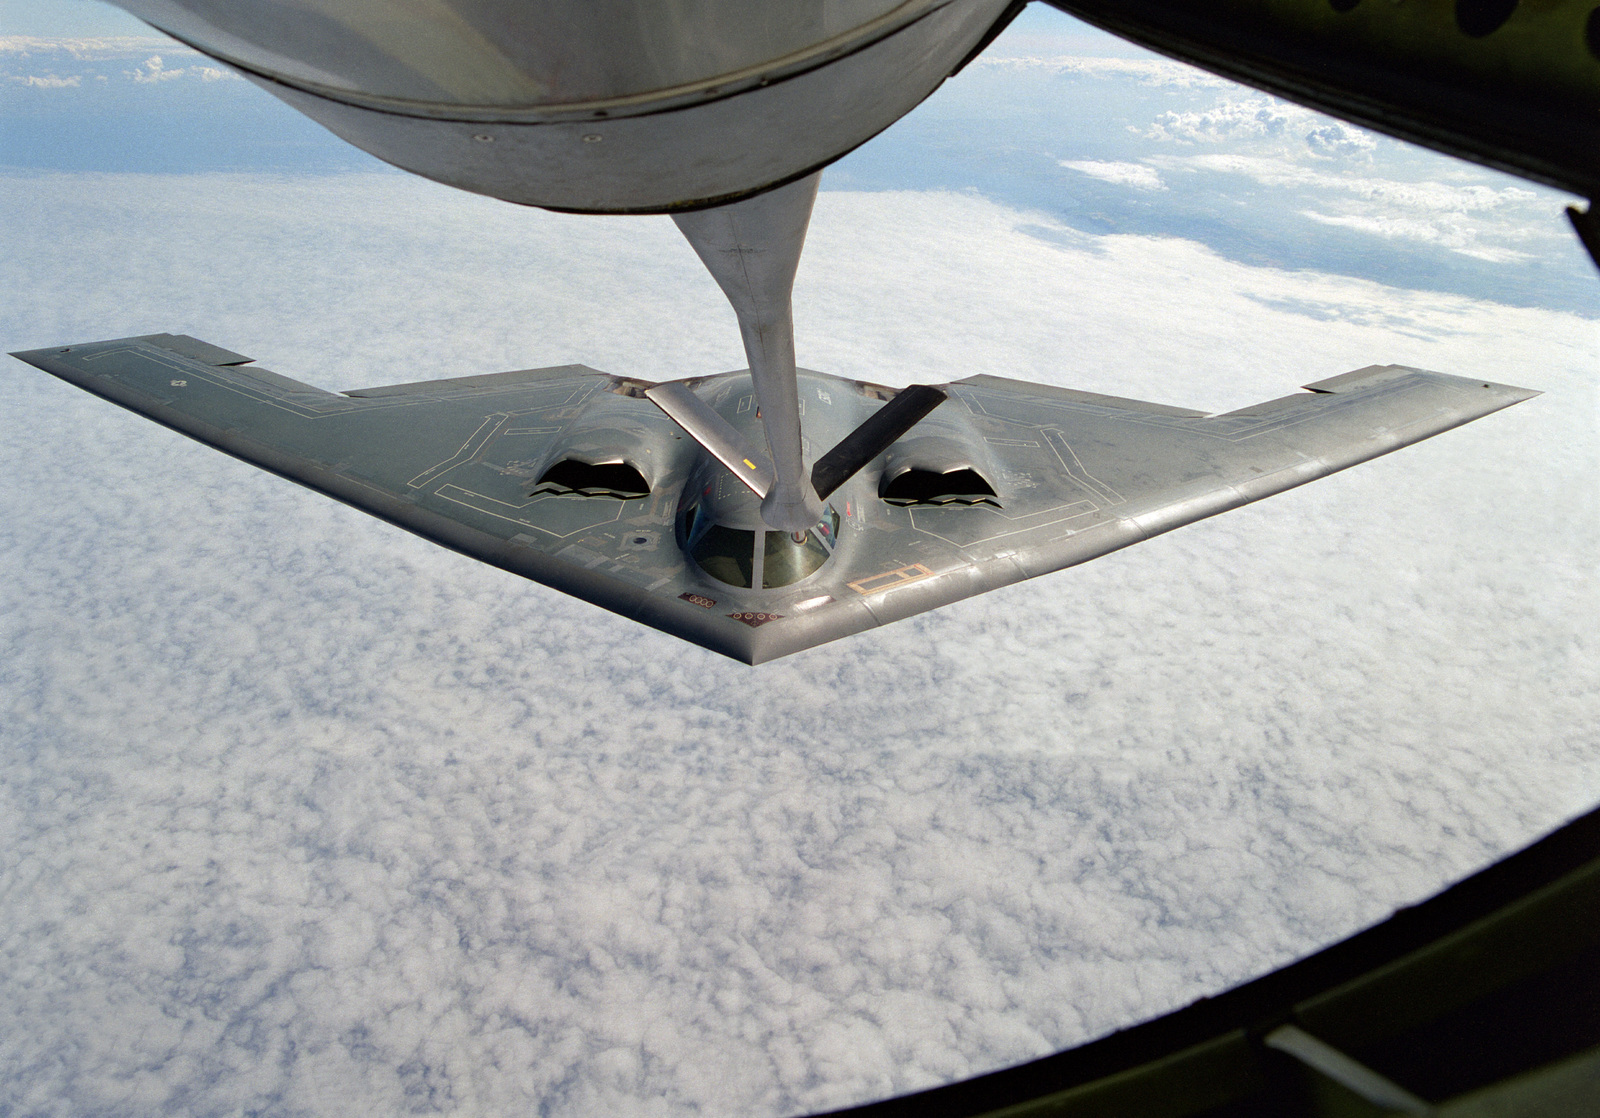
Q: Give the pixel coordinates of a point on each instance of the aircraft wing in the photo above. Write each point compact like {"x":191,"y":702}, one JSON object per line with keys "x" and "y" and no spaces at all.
{"x":1073,"y":475}
{"x":448,"y":459}
{"x":1079,"y":475}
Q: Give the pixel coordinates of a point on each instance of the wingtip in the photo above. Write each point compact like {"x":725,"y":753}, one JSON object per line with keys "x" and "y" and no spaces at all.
{"x":1509,"y":394}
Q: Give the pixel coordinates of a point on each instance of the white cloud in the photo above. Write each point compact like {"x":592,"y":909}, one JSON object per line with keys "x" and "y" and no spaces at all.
{"x":1263,"y":118}
{"x":153,"y":54}
{"x":104,"y":48}
{"x":298,"y":812}
{"x":1157,"y":72}
{"x":47,"y":81}
{"x":1127,"y":174}
{"x":1427,"y":195}
{"x":152,"y":70}
{"x":1466,"y":218}
{"x":1427,"y":231}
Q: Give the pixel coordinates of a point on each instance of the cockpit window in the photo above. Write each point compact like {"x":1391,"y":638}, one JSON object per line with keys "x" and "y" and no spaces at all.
{"x":726,"y":554}
{"x":730,"y":555}
{"x":786,"y":559}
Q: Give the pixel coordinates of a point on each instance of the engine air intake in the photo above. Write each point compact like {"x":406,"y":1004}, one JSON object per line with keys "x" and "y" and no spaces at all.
{"x":925,"y":487}
{"x":617,"y":480}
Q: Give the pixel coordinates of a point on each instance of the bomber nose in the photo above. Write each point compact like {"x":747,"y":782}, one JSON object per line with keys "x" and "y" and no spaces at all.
{"x":727,"y":540}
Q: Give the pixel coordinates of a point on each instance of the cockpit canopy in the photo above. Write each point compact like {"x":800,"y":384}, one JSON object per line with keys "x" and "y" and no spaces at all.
{"x":752,"y":557}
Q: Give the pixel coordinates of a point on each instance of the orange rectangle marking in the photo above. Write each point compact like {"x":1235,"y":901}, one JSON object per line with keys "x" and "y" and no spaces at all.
{"x":890,"y":580}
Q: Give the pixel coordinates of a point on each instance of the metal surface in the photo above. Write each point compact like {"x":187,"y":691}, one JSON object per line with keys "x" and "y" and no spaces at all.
{"x":877,"y":433}
{"x":458,"y":461}
{"x":704,"y":425}
{"x":1584,"y":224}
{"x":512,"y":52}
{"x":1350,"y":1074}
{"x":752,"y":249}
{"x":620,"y":106}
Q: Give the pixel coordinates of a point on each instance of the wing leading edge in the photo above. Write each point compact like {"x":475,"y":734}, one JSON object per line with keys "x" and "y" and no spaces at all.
{"x":1074,"y":475}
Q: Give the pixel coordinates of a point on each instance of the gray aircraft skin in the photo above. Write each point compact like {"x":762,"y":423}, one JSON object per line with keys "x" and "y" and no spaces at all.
{"x":575,"y":479}
{"x":754,"y":513}
{"x":594,"y":106}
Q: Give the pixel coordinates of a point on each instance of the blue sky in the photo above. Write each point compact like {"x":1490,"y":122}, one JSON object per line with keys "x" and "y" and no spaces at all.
{"x":1101,"y":136}
{"x":300,"y":814}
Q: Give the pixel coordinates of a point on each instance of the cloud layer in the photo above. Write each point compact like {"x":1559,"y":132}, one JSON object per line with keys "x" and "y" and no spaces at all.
{"x":1129,"y":174}
{"x":298,"y":812}
{"x":1088,"y":139}
{"x":38,"y":63}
